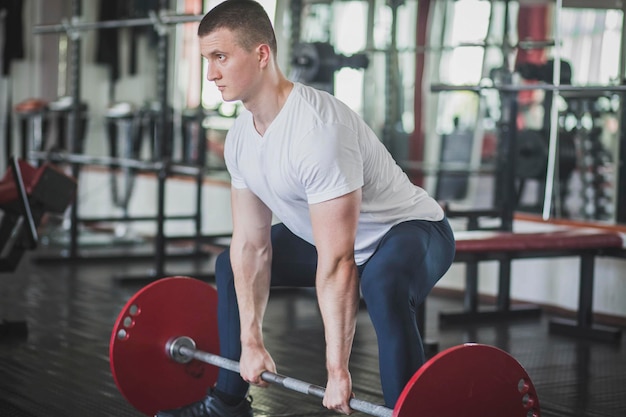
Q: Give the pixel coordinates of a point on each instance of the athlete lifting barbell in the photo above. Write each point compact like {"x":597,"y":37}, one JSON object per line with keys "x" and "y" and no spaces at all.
{"x":352,"y":225}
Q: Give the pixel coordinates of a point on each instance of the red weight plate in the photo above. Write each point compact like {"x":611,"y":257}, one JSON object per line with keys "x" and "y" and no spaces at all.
{"x":142,"y":369}
{"x":470,"y":380}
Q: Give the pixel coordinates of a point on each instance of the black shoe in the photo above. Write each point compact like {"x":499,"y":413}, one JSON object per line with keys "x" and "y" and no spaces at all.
{"x":211,"y":406}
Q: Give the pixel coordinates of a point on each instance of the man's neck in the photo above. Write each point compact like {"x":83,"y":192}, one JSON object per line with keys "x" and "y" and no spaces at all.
{"x":270,"y":101}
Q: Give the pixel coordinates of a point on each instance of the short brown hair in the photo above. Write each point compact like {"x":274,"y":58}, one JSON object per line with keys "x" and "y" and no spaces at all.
{"x":246,"y":18}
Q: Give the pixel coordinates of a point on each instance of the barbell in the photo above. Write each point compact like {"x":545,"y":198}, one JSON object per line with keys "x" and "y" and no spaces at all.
{"x":162,"y":357}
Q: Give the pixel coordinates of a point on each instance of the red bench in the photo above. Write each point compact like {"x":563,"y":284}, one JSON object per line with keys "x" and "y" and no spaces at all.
{"x":585,"y":243}
{"x":24,"y":199}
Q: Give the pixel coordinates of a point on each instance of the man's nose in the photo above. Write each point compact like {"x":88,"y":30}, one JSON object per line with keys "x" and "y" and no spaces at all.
{"x":211,"y":73}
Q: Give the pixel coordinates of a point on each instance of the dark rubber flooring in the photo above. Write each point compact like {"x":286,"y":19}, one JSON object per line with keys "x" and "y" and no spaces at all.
{"x":62,"y":368}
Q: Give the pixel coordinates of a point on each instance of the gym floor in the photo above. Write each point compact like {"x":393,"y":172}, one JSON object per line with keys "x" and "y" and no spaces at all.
{"x":62,"y":368}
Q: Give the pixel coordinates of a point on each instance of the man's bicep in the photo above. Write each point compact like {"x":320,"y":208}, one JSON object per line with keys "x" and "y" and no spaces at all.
{"x":335,"y":224}
{"x":251,"y":217}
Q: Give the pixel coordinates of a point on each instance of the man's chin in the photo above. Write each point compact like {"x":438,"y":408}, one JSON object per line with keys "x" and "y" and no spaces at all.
{"x":228,"y":98}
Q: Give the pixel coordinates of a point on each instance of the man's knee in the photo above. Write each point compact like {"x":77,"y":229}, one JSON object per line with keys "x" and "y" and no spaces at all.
{"x":380,"y":290}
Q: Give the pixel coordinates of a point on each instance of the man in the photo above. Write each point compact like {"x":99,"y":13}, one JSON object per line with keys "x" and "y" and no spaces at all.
{"x":350,"y":220}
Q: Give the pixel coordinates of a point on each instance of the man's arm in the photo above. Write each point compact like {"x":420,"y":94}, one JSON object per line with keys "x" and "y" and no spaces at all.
{"x":251,"y":256}
{"x":337,"y":283}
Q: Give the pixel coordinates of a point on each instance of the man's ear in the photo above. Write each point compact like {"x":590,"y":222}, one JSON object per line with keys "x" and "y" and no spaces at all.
{"x":264,"y":53}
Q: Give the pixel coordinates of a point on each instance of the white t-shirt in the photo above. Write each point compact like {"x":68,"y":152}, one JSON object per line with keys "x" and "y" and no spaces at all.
{"x":317,"y":149}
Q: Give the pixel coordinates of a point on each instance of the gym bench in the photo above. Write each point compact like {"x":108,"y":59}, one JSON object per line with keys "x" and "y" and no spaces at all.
{"x":474,"y":246}
{"x":26,"y":194}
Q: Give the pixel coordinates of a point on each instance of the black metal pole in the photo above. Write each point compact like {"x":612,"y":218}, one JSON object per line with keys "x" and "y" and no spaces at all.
{"x":507,"y":140}
{"x":620,"y":209}
{"x":163,"y":135}
{"x":74,"y":122}
{"x":505,"y":179}
{"x":393,"y":106}
{"x":201,"y":164}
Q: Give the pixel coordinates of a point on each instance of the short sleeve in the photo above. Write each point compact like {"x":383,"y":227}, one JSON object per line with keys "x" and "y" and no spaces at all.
{"x":330,"y":163}
{"x":231,"y":158}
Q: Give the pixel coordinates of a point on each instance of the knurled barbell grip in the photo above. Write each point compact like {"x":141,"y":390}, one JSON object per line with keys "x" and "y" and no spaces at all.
{"x":183,"y":348}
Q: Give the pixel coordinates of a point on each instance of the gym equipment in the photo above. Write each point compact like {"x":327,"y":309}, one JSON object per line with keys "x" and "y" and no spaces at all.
{"x":31,"y":116}
{"x":316,"y":63}
{"x":26,"y":193}
{"x":139,"y":362}
{"x":160,"y":19}
{"x":124,"y":133}
{"x":156,"y":365}
{"x":61,"y":114}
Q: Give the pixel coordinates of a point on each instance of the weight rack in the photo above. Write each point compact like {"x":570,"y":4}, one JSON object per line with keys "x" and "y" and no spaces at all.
{"x":159,"y":20}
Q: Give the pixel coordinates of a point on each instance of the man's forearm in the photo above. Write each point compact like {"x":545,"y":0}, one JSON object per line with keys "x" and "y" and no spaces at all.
{"x":338,"y":295}
{"x":252,"y":283}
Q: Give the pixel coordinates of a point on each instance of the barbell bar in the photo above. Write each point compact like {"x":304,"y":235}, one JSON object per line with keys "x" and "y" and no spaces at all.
{"x":115,"y":162}
{"x":163,"y":17}
{"x":156,"y":366}
{"x":183,"y":349}
{"x":512,"y":88}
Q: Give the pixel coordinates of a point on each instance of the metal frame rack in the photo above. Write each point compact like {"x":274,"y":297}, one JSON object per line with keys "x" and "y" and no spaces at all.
{"x":163,"y":165}
{"x":505,"y":180}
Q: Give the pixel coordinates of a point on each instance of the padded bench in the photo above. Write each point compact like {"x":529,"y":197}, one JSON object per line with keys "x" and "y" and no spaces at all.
{"x":26,"y":194}
{"x":476,"y":246}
